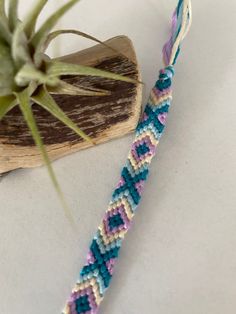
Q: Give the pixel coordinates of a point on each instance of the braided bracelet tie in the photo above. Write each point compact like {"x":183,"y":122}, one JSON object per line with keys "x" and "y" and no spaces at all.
{"x":96,"y":275}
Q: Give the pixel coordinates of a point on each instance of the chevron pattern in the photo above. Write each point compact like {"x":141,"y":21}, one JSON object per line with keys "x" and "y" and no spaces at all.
{"x":96,"y":275}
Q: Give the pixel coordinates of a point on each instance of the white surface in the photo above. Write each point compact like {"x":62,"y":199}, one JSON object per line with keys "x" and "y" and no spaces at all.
{"x":179,"y":257}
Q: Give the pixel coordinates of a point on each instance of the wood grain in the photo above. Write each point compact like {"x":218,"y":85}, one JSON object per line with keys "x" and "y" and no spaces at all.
{"x":102,"y":118}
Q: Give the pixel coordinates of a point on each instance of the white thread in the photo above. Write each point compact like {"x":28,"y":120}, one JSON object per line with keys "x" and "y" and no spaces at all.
{"x":185,"y":27}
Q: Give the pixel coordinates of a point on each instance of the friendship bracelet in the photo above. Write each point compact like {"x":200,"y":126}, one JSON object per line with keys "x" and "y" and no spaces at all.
{"x":96,"y":275}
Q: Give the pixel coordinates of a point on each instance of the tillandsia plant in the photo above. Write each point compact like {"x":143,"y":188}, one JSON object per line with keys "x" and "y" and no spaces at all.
{"x":28,"y":75}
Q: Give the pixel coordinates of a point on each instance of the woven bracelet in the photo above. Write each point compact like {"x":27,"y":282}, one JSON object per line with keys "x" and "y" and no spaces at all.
{"x":96,"y":275}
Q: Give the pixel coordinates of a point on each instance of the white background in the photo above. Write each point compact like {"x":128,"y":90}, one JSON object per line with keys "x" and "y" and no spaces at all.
{"x":179,"y":257}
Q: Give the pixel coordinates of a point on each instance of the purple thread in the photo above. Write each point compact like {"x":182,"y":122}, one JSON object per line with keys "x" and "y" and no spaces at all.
{"x":169,"y":45}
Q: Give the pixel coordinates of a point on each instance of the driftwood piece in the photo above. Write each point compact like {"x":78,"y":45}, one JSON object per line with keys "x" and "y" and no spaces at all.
{"x":102,"y":118}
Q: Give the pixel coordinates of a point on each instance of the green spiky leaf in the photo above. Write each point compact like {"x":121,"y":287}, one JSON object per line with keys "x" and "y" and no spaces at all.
{"x":12,"y":13}
{"x":57,"y":69}
{"x":25,"y":106}
{"x":20,"y":50}
{"x":57,"y":33}
{"x":3,"y":16}
{"x":63,"y":88}
{"x":6,"y":104}
{"x":2,"y":8}
{"x":5,"y":34}
{"x":31,"y":19}
{"x":7,"y":70}
{"x":46,"y":101}
{"x":40,"y":36}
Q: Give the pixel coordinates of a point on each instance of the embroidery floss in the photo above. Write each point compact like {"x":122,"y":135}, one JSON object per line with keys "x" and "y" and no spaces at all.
{"x":96,"y":275}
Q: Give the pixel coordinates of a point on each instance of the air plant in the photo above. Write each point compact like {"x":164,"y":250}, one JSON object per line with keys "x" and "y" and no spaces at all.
{"x":28,"y":75}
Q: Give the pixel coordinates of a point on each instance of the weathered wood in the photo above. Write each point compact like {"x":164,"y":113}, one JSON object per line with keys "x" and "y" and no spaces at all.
{"x":102,"y":118}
